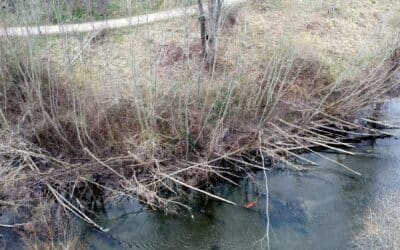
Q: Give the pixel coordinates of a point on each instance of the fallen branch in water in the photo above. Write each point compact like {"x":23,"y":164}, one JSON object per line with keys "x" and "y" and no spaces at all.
{"x":266,"y":236}
{"x":13,"y":225}
{"x":201,"y":191}
{"x":70,"y":207}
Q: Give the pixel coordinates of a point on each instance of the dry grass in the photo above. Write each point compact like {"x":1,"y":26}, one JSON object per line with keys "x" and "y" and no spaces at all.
{"x":50,"y":229}
{"x":81,"y":114}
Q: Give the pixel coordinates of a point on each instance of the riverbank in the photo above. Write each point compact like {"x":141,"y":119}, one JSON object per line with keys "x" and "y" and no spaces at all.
{"x":322,"y":208}
{"x":90,"y":119}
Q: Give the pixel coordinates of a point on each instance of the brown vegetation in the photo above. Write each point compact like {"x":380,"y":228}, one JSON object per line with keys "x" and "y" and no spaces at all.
{"x":69,"y":130}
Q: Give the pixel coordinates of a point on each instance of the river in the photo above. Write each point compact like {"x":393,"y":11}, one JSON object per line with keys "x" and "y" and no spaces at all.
{"x":326,"y":207}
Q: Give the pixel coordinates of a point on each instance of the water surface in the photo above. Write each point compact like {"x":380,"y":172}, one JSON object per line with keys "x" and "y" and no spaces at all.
{"x":317,"y":209}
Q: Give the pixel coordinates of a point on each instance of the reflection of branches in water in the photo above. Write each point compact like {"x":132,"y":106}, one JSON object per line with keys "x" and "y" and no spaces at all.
{"x":266,"y":236}
{"x":121,"y":242}
{"x":115,"y":239}
{"x":209,"y":216}
{"x":141,"y":210}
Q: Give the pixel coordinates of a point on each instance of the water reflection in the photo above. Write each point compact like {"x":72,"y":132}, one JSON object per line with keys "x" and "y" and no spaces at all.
{"x":317,"y":209}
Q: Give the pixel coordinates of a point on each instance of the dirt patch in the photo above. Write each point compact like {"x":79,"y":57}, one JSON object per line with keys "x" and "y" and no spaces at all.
{"x":316,"y":28}
{"x":230,"y":20}
{"x":310,"y":72}
{"x":195,"y":50}
{"x":169,"y":54}
{"x":172,"y":53}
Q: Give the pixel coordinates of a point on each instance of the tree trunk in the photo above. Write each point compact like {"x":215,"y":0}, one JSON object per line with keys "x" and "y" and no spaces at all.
{"x":214,"y":12}
{"x":203,"y":31}
{"x":209,"y":40}
{"x":102,"y":7}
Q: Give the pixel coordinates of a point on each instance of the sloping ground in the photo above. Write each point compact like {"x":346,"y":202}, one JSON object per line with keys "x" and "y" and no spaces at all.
{"x":133,"y":111}
{"x":346,"y":38}
{"x":106,"y":24}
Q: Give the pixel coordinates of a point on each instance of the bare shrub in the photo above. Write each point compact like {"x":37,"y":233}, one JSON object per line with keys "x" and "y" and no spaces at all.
{"x":163,"y":130}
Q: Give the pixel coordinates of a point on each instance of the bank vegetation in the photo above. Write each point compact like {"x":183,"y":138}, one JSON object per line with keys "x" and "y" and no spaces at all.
{"x":136,"y":113}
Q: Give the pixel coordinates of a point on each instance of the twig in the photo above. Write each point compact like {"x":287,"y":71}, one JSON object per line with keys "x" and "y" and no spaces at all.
{"x":267,"y":197}
{"x":70,"y":207}
{"x":104,"y":165}
{"x":381,"y":123}
{"x":13,"y":225}
{"x":201,"y":191}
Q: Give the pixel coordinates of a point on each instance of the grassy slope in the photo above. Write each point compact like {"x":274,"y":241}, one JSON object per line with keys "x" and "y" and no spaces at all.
{"x":145,"y":120}
{"x":337,"y":36}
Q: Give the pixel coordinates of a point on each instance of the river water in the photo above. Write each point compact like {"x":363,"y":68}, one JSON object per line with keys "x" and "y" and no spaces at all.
{"x":322,"y":208}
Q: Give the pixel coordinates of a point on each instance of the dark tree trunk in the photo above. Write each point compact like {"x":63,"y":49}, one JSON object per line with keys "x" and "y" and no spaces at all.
{"x":203,"y":31}
{"x":214,"y":12}
{"x":209,"y":36}
{"x":102,"y":7}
